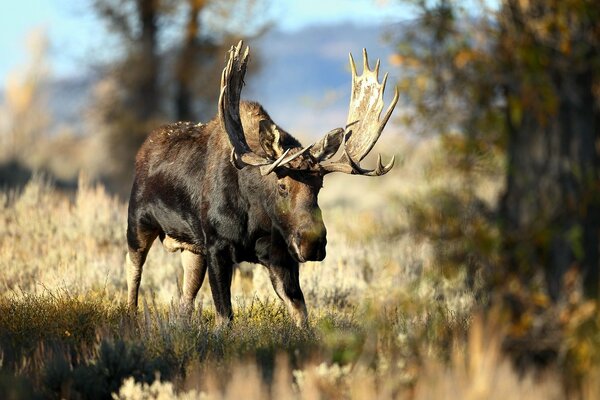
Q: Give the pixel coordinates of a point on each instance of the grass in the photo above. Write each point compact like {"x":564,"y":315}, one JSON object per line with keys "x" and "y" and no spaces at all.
{"x":384,"y":322}
{"x":87,"y":345}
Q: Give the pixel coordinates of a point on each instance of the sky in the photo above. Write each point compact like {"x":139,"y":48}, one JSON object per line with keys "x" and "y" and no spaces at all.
{"x":75,"y":35}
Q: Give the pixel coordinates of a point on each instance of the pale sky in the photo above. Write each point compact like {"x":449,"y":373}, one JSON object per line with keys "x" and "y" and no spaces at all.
{"x":76,"y":36}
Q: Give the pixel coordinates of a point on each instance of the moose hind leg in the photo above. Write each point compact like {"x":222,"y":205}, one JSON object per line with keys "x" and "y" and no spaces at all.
{"x":286,"y":283}
{"x":134,"y":261}
{"x":136,"y":256}
{"x":194,"y":270}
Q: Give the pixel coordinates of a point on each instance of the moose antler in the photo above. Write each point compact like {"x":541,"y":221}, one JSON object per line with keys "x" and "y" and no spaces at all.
{"x":232,"y":81}
{"x":363,"y":126}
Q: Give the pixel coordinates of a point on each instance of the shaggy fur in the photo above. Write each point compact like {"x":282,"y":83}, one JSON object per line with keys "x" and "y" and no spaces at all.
{"x":187,"y":193}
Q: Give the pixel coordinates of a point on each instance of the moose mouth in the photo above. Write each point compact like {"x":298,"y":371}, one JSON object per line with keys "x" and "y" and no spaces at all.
{"x":307,"y":251}
{"x":295,"y":251}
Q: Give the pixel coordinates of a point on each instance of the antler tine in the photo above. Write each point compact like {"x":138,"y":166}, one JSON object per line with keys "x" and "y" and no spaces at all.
{"x":365,"y":61}
{"x":267,"y":169}
{"x":352,"y":66}
{"x":349,"y":166}
{"x":366,"y":105}
{"x":283,"y":160}
{"x":297,"y":154}
{"x":390,"y":109}
{"x":380,"y":169}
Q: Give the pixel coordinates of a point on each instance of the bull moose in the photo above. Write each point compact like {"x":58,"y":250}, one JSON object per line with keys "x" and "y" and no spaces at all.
{"x":240,"y":188}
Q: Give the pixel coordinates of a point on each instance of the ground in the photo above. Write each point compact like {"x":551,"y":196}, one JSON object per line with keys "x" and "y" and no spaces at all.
{"x":384,"y":322}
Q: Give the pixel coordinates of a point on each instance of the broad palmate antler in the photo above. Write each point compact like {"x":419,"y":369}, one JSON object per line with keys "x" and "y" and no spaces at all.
{"x":363,"y":126}
{"x":362,"y":131}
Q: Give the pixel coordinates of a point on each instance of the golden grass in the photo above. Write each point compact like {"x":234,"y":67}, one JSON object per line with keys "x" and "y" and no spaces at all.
{"x":384,"y":322}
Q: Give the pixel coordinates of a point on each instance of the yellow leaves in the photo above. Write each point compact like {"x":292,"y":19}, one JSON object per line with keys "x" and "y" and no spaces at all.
{"x":540,"y":299}
{"x":395,"y":59}
{"x":464,"y":57}
{"x":559,"y":26}
{"x":421,"y":82}
{"x":22,"y":85}
{"x":399,"y":60}
{"x":23,"y":112}
{"x":461,"y":59}
{"x":524,"y":4}
{"x":19,"y":94}
{"x":404,"y":85}
{"x":580,"y":314}
{"x":581,"y":324}
{"x":565,"y":46}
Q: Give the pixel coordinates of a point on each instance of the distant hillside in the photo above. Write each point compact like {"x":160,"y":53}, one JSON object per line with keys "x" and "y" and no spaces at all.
{"x":68,"y":98}
{"x":305,"y":79}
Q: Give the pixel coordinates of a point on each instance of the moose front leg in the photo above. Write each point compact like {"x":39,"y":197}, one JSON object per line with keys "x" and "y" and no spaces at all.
{"x":285,"y":277}
{"x":285,"y":280}
{"x":220,"y":271}
{"x":194,"y":269}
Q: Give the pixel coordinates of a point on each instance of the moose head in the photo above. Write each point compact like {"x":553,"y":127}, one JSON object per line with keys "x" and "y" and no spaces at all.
{"x":294,"y":174}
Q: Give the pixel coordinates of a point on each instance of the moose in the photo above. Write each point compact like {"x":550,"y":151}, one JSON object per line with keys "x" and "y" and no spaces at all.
{"x":240,"y":188}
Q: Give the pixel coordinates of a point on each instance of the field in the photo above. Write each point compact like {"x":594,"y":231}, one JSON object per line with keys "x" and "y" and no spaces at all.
{"x":384,"y":322}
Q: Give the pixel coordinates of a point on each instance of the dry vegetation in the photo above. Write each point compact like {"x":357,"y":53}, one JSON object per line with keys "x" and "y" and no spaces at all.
{"x":416,"y":298}
{"x":384,"y":322}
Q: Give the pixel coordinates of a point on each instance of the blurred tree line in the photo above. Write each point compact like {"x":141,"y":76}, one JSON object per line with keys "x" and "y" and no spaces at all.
{"x":23,"y":113}
{"x":513,"y":89}
{"x":164,"y":65}
{"x":171,"y":55}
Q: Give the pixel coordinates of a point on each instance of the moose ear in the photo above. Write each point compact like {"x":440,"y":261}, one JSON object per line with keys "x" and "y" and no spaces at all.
{"x":269,"y":137}
{"x":328,"y":145}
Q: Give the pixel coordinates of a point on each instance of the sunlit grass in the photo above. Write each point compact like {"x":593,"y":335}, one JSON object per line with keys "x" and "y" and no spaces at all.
{"x":384,"y":319}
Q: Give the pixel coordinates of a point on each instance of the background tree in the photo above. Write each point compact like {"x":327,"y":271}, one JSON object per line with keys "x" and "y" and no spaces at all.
{"x":168,"y":69}
{"x":449,"y":90}
{"x":23,"y":112}
{"x":520,"y":81}
{"x":549,"y":52}
{"x":514,"y":93}
{"x":24,"y":118}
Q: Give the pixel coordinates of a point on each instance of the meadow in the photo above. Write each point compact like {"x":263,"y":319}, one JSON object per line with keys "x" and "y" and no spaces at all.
{"x":384,"y":321}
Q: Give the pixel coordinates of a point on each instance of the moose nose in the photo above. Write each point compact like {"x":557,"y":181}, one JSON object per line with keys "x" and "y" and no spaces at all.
{"x":312,"y":243}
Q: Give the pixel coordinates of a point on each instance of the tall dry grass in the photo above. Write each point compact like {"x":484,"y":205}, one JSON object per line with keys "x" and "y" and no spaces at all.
{"x":384,"y":322}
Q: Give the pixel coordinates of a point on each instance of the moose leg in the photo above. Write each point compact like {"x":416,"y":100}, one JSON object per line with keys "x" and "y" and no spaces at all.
{"x":139,"y":244}
{"x":286,"y":283}
{"x":194,"y":269}
{"x":220,"y":271}
{"x":285,"y":276}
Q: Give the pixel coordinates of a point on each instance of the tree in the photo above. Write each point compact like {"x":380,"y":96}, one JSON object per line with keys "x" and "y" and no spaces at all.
{"x":24,"y":116}
{"x":168,"y":68}
{"x":550,"y":54}
{"x":523,"y":81}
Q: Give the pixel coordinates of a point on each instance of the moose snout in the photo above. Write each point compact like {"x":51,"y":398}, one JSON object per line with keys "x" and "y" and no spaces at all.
{"x":309,"y":243}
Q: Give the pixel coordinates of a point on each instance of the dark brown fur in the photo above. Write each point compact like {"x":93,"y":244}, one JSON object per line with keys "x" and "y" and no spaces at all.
{"x":186,"y":190}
